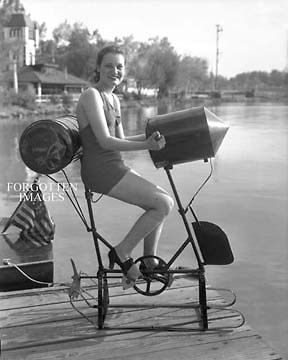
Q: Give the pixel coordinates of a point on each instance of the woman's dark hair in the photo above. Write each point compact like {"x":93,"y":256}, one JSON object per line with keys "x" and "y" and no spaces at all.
{"x":110,"y":49}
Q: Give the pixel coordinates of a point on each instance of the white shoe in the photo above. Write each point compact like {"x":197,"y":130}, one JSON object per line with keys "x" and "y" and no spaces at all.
{"x":127,"y":283}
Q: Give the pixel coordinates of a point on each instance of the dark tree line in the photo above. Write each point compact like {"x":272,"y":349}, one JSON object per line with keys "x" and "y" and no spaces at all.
{"x":152,"y":64}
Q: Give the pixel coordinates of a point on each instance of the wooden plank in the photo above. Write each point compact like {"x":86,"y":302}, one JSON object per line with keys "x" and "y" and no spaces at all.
{"x":50,"y":329}
{"x":14,"y":321}
{"x":153,"y":345}
{"x":71,"y":327}
{"x":48,"y":304}
{"x":58,"y":293}
{"x":31,"y":298}
{"x":121,"y":320}
{"x":148,"y":316}
{"x":51,"y":312}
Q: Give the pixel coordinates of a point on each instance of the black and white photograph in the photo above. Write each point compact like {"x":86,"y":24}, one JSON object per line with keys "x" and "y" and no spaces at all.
{"x":143,"y":179}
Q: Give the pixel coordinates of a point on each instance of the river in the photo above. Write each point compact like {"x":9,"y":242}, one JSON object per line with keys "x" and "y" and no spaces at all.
{"x":247,"y":197}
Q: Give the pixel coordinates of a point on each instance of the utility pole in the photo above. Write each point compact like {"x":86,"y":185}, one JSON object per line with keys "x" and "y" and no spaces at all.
{"x":286,"y":65}
{"x":15,"y":76}
{"x":218,"y":30}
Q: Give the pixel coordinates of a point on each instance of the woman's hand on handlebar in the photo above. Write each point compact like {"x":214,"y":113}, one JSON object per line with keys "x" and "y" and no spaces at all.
{"x":156,"y":141}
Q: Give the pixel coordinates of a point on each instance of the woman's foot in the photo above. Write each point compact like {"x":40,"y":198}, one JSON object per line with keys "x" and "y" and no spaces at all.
{"x":130,"y":270}
{"x":133,"y":273}
{"x":151,"y":263}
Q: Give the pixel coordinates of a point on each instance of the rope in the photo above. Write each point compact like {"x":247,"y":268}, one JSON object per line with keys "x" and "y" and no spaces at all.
{"x":75,"y":197}
{"x":200,"y":187}
{"x":50,"y":284}
{"x":77,"y":207}
{"x":79,"y":292}
{"x":98,"y":199}
{"x":8,"y":262}
{"x":81,"y":313}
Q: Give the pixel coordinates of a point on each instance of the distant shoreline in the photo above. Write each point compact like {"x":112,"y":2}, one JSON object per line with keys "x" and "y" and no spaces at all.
{"x":44,"y":109}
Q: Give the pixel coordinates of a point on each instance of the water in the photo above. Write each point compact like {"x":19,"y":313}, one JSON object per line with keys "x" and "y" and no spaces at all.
{"x":247,"y":196}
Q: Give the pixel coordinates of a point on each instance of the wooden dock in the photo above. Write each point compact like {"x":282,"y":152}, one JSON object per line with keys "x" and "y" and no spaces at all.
{"x":41,"y":324}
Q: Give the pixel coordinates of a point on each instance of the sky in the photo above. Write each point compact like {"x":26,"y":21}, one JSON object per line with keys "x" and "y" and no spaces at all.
{"x":254,"y":36}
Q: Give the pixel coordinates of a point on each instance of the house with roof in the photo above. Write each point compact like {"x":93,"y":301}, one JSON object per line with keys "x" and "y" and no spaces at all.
{"x":21,"y":36}
{"x":47,"y":80}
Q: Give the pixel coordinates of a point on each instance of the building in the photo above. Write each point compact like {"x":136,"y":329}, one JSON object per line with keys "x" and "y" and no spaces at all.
{"x":47,"y":81}
{"x":21,"y":70}
{"x":21,"y":34}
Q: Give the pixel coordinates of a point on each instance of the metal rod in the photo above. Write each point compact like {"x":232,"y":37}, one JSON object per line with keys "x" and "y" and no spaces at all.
{"x":183,"y":215}
{"x":178,"y":252}
{"x":155,"y":305}
{"x":93,"y":229}
{"x":203,"y":301}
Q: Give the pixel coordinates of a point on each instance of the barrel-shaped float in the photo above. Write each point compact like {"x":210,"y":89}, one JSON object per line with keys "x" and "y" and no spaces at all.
{"x":47,"y":146}
{"x":192,"y":134}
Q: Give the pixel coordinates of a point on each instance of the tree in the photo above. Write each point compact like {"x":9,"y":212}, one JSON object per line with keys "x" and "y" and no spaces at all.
{"x":79,"y":54}
{"x":276,"y":78}
{"x":42,"y":30}
{"x":46,"y":51}
{"x":129,"y":47}
{"x":161,"y":65}
{"x":138,"y":67}
{"x":6,"y":9}
{"x":62,"y":33}
{"x":73,"y":47}
{"x":192,"y":74}
{"x":250,"y":80}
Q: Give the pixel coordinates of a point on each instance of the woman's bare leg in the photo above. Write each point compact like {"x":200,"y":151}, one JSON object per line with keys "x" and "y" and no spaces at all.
{"x":151,"y":244}
{"x":157,"y":204}
{"x":151,"y":241}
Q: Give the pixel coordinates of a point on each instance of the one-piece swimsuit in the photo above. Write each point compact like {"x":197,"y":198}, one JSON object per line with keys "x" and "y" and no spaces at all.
{"x":101,"y":169}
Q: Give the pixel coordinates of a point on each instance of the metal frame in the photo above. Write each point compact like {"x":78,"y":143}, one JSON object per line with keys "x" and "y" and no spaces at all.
{"x":199,"y":273}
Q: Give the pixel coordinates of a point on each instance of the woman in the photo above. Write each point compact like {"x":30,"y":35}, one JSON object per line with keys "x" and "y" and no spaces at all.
{"x":103,"y":170}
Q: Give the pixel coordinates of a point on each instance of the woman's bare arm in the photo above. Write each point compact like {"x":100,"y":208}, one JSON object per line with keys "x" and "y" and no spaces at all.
{"x":93,"y":105}
{"x":119,"y":129}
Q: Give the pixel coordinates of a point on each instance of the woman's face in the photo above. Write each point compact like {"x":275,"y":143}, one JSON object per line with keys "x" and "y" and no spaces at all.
{"x":112,"y":69}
